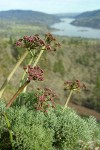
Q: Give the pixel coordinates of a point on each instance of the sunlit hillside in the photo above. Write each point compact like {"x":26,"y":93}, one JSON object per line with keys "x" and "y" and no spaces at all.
{"x":77,"y":59}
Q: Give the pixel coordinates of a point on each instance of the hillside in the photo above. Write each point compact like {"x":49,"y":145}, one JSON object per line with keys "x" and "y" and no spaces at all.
{"x":88,"y":19}
{"x":20,"y":22}
{"x":78,"y":58}
{"x":27,"y":17}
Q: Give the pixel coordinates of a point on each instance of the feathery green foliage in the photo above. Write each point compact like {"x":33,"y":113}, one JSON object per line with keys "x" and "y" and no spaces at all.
{"x":55,"y":130}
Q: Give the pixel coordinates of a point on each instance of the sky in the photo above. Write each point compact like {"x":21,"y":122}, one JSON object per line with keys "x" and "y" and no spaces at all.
{"x":51,"y":6}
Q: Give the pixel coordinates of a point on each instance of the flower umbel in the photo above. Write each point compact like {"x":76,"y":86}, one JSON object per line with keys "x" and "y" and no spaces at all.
{"x":34,"y":73}
{"x":74,"y":85}
{"x":35,"y":42}
{"x":45,"y":99}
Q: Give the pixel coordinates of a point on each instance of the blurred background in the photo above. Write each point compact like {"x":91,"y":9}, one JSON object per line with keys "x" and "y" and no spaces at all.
{"x":76,"y":25}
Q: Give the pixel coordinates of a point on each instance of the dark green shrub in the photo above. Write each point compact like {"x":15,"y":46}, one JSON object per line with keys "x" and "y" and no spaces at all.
{"x":26,"y":99}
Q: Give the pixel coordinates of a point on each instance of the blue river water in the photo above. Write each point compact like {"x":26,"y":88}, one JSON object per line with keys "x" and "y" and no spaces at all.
{"x":64,"y":28}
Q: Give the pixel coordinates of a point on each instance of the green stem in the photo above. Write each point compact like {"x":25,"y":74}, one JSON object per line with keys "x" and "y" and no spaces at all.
{"x":65,"y":106}
{"x":24,"y":90}
{"x":9,"y":129}
{"x":17,"y":93}
{"x":41,"y":52}
{"x":37,"y":60}
{"x":11,"y":74}
{"x":24,"y":74}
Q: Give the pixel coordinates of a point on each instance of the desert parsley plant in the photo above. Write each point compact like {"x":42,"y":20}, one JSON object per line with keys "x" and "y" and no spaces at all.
{"x":35,"y":46}
{"x":45,"y":99}
{"x":33,"y":121}
{"x":33,"y":74}
{"x":72,"y":86}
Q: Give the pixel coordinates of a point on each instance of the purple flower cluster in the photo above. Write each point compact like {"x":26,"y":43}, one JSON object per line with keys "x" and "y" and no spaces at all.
{"x":74,"y":85}
{"x":35,"y":73}
{"x":35,"y":42}
{"x":45,"y":99}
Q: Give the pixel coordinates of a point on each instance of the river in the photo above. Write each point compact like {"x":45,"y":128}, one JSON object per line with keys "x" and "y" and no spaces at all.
{"x":64,"y":28}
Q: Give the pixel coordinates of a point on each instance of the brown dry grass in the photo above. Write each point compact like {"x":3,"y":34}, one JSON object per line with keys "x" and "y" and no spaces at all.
{"x":84,"y":111}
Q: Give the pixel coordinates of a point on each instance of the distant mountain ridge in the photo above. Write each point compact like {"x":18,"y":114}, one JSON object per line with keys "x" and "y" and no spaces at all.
{"x":28,"y":16}
{"x":88,"y":19}
{"x":67,"y":15}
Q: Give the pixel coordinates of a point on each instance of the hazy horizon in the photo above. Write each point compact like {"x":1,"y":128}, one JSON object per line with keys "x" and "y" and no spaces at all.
{"x":51,"y":6}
